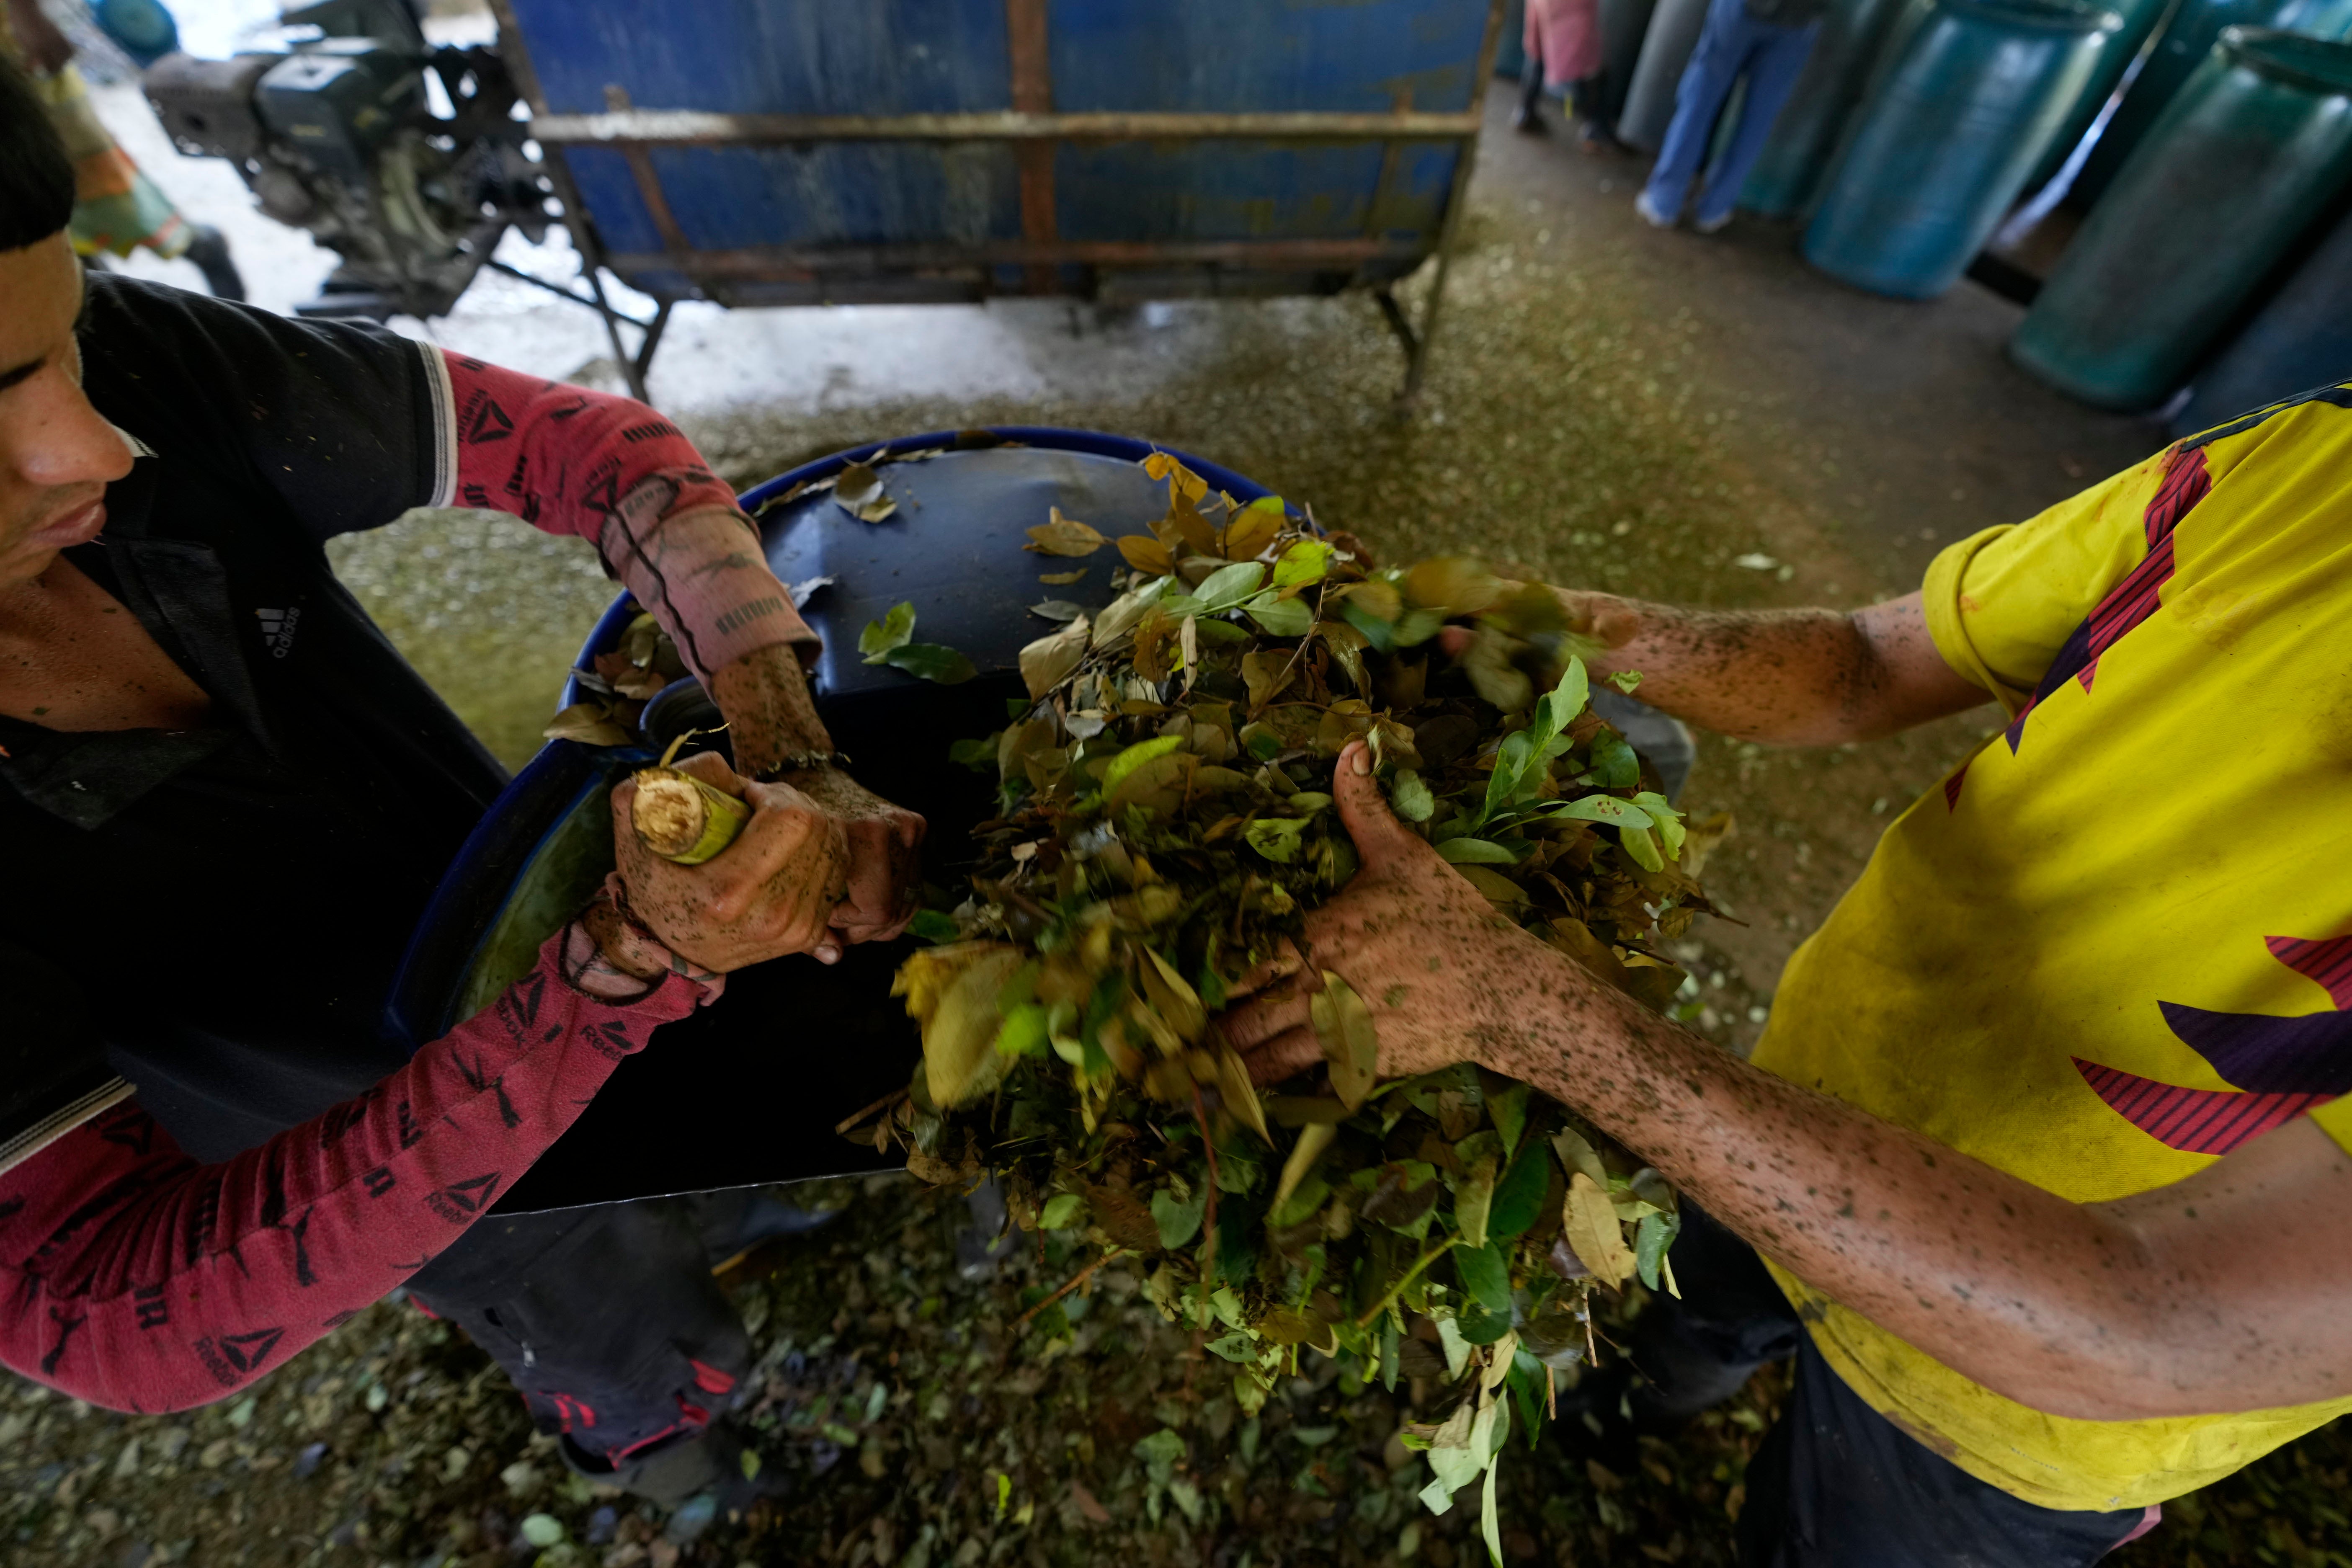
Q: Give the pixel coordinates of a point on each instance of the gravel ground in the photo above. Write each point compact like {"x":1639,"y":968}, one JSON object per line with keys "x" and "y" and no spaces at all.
{"x":1575,"y":424}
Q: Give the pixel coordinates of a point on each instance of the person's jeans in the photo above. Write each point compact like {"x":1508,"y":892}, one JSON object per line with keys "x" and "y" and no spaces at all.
{"x":606,"y":1318}
{"x":1834,"y":1484}
{"x":1733,"y":44}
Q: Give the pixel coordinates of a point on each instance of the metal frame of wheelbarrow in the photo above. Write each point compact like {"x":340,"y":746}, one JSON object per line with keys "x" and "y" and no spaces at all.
{"x":1034,"y":130}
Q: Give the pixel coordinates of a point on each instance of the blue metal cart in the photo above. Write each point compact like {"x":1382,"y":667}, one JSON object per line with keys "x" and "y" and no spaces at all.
{"x":818,"y":151}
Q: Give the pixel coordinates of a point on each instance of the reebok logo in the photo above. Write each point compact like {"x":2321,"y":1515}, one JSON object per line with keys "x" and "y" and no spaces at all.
{"x":234,"y":1357}
{"x":277,"y":630}
{"x":461,"y":1202}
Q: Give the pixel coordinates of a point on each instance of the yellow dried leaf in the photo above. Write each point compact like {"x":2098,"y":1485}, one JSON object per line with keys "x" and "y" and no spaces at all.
{"x":1064,"y":536}
{"x":951,"y":991}
{"x":1249,"y":533}
{"x":1062,"y":579}
{"x":1146,"y":554}
{"x":1048,"y":661}
{"x":1458,"y":585}
{"x":1172,"y":997}
{"x":1240,"y":1095}
{"x":1590,"y":1223}
{"x":1313,"y":1138}
{"x":1266,"y":674}
{"x":590,"y":723}
{"x":1350,"y":1045}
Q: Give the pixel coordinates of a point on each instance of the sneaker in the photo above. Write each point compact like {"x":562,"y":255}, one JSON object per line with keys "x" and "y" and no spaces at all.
{"x":1712,"y":224}
{"x":1651,"y":213}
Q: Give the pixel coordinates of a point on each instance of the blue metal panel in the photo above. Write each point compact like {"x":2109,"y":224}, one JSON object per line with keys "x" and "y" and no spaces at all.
{"x":1234,"y":55}
{"x":844,"y":193}
{"x":1155,"y":190}
{"x":746,"y":57}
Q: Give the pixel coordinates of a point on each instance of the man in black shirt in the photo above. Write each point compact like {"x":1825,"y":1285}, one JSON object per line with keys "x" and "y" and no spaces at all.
{"x":227,"y":799}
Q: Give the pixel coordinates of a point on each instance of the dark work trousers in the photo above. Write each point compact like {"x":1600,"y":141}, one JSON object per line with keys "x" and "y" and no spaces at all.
{"x":606,"y":1318}
{"x":1834,"y":1484}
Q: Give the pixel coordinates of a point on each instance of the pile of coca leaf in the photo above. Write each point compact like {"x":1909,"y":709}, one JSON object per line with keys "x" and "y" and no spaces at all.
{"x":1165,"y":821}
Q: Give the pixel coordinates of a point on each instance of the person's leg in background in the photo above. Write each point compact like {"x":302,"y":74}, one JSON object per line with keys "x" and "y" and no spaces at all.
{"x":1776,"y":57}
{"x":1528,"y":119}
{"x":1714,"y":64}
{"x":616,"y":1335}
{"x":1562,"y":40}
{"x":1835,"y":1485}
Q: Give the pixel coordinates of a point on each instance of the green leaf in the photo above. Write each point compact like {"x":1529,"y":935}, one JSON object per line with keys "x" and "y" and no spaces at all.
{"x":1143,"y":752}
{"x":1668,"y":820}
{"x":1305,"y":562}
{"x":932,"y":661}
{"x":1280,"y":617}
{"x":979,"y":756}
{"x":1615,"y":765}
{"x":1643,"y":848}
{"x":1520,"y":1196}
{"x":543,"y":1530}
{"x":1651,"y":1238}
{"x":1235,"y":1346}
{"x":934,"y":925}
{"x":1510,"y":760}
{"x":1025,"y":1031}
{"x":1276,"y":837}
{"x":1178,"y":1219}
{"x":1409,"y":796}
{"x":1229,"y":585}
{"x":893,"y":630}
{"x":1508,"y":1112}
{"x":1625,"y":680}
{"x":1486,"y":1276}
{"x":1417,"y":626}
{"x":1062,"y":1211}
{"x":1487,"y":1520}
{"x":1473,"y":1195}
{"x":1379,"y":634}
{"x":1475,"y":852}
{"x":1605,"y":809}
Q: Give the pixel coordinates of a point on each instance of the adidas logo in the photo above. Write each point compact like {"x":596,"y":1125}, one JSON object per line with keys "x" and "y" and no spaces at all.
{"x":277,"y":630}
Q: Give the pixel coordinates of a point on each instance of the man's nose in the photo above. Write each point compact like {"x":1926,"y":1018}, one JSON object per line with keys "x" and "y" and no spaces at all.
{"x":56,"y":438}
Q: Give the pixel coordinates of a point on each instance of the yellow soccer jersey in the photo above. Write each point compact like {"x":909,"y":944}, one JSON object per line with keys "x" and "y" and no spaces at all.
{"x":2117,"y":943}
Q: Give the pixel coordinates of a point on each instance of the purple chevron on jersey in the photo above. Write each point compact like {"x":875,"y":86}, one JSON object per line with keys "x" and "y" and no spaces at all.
{"x":2137,"y":598}
{"x":2282,"y":1066}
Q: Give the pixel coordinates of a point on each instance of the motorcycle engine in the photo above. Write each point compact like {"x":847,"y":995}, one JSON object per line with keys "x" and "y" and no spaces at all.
{"x":340,"y":137}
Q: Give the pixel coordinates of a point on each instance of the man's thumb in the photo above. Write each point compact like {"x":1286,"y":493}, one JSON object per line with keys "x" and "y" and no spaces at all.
{"x":1364,"y":810}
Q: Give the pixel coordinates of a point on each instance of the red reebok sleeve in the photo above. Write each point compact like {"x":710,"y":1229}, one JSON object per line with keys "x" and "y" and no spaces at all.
{"x":137,"y":1280}
{"x":611,"y":471}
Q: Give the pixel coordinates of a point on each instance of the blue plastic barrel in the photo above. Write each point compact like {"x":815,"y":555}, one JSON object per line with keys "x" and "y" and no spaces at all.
{"x":1624,"y":28}
{"x":2187,"y":40}
{"x":1855,"y":34}
{"x":1666,"y":47}
{"x":2141,"y":18}
{"x":2248,"y":156}
{"x":1946,"y":144}
{"x":2301,"y":339}
{"x":748,"y":1091}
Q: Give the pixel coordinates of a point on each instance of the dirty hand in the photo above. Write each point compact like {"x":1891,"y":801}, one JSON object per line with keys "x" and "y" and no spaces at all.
{"x":773,"y":891}
{"x":1444,"y":976}
{"x":772,"y":715}
{"x":886,"y":880}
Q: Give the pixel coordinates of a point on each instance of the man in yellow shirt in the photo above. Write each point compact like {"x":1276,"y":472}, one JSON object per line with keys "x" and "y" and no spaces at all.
{"x":2045,"y":1142}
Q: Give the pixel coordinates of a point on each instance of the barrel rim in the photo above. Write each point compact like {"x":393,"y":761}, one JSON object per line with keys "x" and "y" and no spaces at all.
{"x":2320,"y":65}
{"x":2046,"y":16}
{"x":615,"y":619}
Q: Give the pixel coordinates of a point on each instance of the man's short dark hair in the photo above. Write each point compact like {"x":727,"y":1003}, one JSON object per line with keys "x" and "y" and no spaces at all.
{"x":37,"y":180}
